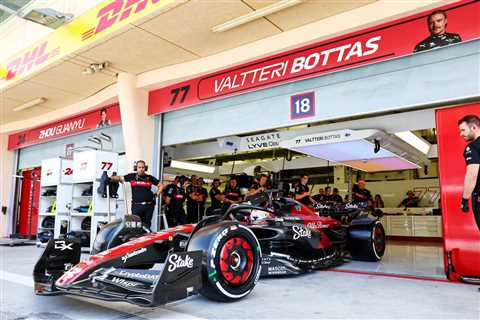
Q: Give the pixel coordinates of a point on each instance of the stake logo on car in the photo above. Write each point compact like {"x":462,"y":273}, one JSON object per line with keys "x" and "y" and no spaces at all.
{"x":301,"y":232}
{"x":175,"y":261}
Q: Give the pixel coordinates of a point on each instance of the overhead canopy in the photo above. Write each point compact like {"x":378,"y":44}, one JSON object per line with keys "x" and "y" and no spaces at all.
{"x":367,"y":150}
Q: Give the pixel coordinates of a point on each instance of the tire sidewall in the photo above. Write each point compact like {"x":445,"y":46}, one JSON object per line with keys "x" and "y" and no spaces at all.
{"x":378,"y":255}
{"x":214,"y":275}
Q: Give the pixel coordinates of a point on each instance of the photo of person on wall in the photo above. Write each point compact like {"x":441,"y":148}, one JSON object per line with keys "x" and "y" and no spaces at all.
{"x":104,"y":121}
{"x":437,"y":24}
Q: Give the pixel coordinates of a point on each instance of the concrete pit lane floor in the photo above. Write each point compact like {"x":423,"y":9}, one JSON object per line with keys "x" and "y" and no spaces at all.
{"x":333,"y":294}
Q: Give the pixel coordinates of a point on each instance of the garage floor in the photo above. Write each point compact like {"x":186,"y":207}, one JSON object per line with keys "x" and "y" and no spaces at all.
{"x":422,"y":259}
{"x":319,"y":295}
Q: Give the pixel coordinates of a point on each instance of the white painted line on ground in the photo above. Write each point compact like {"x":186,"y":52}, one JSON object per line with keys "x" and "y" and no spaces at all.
{"x":150,"y":313}
{"x":16,"y":278}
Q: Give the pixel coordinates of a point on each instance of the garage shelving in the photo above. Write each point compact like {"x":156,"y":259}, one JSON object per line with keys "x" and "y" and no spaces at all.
{"x":88,"y":167}
{"x":55,"y":194}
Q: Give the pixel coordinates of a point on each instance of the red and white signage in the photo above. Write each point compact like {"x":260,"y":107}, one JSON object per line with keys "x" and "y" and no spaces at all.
{"x":389,"y":40}
{"x":100,"y":118}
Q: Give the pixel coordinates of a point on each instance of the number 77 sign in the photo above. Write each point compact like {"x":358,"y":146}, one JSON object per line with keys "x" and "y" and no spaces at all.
{"x":302,"y":105}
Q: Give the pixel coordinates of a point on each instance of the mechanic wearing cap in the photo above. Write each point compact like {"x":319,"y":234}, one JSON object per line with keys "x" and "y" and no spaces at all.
{"x":437,"y":24}
{"x":143,"y":201}
{"x":174,"y":197}
{"x":259,"y":186}
{"x":302,"y":192}
{"x":232,"y":192}
{"x":470,"y":130}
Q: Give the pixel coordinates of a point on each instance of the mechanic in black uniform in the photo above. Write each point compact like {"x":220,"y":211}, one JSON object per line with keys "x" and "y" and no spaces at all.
{"x":335,"y":197}
{"x":192,"y":199}
{"x":362,"y":195}
{"x":320,"y":196}
{"x":259,"y":186}
{"x":202,"y":197}
{"x":143,"y":202}
{"x":232,"y":192}
{"x":470,"y":130}
{"x":411,"y":201}
{"x":174,"y":197}
{"x":302,"y":192}
{"x":437,"y":24}
{"x":215,"y":196}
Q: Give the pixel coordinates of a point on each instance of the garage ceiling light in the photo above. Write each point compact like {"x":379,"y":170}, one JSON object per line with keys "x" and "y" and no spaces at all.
{"x":415,"y":141}
{"x":278,"y":6}
{"x":367,"y":150}
{"x":48,"y":17}
{"x":30,"y":104}
{"x":192,"y":166}
{"x":45,"y":16}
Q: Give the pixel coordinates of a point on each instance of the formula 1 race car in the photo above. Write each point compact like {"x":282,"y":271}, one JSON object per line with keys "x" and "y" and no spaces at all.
{"x":221,"y":257}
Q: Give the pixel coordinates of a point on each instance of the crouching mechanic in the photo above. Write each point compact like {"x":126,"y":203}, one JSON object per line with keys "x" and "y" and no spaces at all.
{"x":469,"y":127}
{"x":143,"y":199}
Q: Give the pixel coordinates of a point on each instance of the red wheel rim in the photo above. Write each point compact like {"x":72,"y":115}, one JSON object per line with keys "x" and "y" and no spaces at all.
{"x":236,"y":261}
{"x":378,"y":239}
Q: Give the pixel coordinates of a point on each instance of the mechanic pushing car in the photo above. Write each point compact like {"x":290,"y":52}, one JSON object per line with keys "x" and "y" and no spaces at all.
{"x":143,"y":199}
{"x":470,"y":130}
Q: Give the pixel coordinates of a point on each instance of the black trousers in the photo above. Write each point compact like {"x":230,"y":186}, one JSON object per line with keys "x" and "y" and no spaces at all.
{"x":195,"y":211}
{"x":476,"y":207}
{"x":175,"y":216}
{"x":145,"y":212}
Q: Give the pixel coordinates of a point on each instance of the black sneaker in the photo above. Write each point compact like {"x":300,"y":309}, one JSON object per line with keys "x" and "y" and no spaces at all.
{"x":87,"y":192}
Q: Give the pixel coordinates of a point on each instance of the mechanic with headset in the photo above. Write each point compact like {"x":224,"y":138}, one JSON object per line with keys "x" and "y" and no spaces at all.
{"x":143,"y":199}
{"x":469,"y":127}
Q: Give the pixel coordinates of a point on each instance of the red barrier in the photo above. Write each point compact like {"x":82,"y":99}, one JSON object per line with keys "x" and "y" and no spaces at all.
{"x":460,"y":233}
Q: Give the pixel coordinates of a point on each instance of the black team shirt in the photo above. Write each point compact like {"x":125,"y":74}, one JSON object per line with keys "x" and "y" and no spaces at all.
{"x":472,"y":156}
{"x":141,"y":187}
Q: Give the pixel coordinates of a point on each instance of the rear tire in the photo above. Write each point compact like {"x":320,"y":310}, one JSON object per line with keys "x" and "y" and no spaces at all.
{"x":366,"y":242}
{"x":232,"y":260}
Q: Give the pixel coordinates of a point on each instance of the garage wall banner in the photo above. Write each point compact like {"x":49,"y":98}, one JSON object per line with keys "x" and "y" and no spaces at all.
{"x":447,"y":25}
{"x":92,"y":120}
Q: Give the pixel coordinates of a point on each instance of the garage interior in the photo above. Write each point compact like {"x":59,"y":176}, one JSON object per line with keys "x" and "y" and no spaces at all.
{"x":414,"y":235}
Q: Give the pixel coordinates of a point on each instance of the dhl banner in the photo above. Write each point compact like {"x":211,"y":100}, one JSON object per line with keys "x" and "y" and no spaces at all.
{"x":95,"y":24}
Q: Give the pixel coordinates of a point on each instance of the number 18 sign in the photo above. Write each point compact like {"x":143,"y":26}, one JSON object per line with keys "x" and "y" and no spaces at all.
{"x":302,"y":105}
